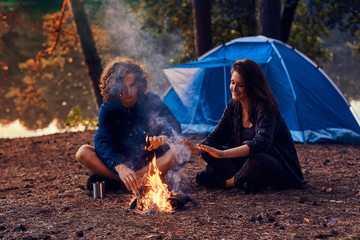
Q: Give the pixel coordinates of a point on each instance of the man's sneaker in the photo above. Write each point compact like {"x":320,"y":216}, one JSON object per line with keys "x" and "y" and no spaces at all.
{"x":210,"y":180}
{"x":109,"y":183}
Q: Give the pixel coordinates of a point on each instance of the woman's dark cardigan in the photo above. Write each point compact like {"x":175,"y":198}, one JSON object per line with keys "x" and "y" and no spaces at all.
{"x":272,"y":136}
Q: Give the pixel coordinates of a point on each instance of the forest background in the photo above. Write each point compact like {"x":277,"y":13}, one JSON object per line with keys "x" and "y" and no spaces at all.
{"x":54,"y":89}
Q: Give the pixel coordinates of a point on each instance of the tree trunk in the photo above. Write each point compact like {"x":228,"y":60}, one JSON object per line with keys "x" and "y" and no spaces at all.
{"x":269,"y":18}
{"x":202,"y":26}
{"x":92,"y":59}
{"x":287,"y":18}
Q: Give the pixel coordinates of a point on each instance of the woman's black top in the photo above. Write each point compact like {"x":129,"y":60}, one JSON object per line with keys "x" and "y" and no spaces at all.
{"x":247,"y":134}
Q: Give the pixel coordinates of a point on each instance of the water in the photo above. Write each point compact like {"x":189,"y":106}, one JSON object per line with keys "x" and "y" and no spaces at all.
{"x":356,"y":107}
{"x":15,"y":129}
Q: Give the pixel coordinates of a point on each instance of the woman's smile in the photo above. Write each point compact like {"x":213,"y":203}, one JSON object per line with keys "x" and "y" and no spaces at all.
{"x":237,"y":86}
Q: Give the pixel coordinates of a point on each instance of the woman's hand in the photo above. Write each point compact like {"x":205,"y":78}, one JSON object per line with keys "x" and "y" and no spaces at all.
{"x":212,"y":151}
{"x":191,"y":147}
{"x":129,"y":177}
{"x":157,"y":141}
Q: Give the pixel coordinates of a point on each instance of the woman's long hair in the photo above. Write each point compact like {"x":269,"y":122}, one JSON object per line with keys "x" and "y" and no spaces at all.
{"x":257,"y":88}
{"x":112,"y":78}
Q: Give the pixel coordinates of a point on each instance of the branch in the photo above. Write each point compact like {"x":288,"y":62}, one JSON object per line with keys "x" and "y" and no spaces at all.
{"x":51,"y":49}
{"x":18,"y":5}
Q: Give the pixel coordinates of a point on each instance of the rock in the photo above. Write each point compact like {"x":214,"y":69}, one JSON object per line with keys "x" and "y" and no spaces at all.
{"x":80,"y":234}
{"x":271,"y":219}
{"x":20,"y":228}
{"x":302,"y":199}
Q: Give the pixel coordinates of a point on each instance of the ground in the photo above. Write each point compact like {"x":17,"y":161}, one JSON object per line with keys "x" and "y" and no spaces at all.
{"x":43,"y":196}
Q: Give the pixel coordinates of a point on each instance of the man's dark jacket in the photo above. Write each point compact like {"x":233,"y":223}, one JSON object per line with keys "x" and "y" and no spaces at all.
{"x":122,"y":131}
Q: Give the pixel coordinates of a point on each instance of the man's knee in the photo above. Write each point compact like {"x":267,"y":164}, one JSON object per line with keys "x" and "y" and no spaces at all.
{"x":84,"y":153}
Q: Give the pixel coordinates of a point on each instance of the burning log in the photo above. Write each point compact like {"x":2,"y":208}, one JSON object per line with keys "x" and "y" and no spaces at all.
{"x":177,"y":202}
{"x":180,"y":201}
{"x":155,"y":192}
{"x":133,"y":204}
{"x":154,"y":195}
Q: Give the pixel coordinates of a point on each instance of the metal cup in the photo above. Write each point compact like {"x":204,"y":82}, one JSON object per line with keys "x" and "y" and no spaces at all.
{"x":99,"y":189}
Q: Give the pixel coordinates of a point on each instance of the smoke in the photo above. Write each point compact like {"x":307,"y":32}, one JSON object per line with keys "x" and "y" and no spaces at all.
{"x":155,"y":52}
{"x":176,"y":178}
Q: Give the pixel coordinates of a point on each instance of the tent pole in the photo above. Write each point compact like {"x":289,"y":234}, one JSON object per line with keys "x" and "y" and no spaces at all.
{"x":225,"y":91}
{"x":291,"y":86}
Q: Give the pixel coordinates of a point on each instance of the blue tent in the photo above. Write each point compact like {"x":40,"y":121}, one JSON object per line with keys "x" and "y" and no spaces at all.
{"x":312,"y":105}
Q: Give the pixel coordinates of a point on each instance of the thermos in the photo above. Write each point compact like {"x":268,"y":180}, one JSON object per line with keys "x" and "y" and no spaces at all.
{"x":99,"y":189}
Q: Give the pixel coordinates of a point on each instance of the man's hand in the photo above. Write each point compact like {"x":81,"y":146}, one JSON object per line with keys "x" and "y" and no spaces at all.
{"x":128,"y":176}
{"x":212,"y":151}
{"x":191,"y":147}
{"x":157,"y":141}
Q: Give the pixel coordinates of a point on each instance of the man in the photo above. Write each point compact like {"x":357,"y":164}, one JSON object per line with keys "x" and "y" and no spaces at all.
{"x":128,"y":115}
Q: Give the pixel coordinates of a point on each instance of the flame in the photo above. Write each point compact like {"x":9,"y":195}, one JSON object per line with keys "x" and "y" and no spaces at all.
{"x":146,"y":142}
{"x":158,"y":193}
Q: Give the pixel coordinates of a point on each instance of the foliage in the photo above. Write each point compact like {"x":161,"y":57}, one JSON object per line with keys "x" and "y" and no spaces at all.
{"x":356,"y":45}
{"x":307,"y":32}
{"x":58,"y":84}
{"x":346,"y":16}
{"x":76,"y":120}
{"x":232,"y":19}
{"x":167,"y":16}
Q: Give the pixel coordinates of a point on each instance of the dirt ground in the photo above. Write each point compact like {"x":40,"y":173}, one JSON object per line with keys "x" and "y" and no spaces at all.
{"x":43,"y":196}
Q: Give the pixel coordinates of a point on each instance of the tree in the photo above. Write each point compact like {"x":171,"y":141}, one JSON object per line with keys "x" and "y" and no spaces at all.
{"x":92,"y":59}
{"x":287,"y":18}
{"x":269,"y":18}
{"x":202,"y":26}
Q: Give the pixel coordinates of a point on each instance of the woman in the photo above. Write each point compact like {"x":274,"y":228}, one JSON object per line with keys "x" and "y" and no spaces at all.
{"x":128,"y":115}
{"x":251,"y":147}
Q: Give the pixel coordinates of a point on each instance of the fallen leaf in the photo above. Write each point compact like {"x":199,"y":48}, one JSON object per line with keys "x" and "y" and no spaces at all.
{"x":151,"y":236}
{"x":97,"y":204}
{"x":306,"y":220}
{"x":328,"y":189}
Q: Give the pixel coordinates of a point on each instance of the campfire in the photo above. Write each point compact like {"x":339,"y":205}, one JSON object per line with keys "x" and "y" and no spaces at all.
{"x":154,"y":195}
